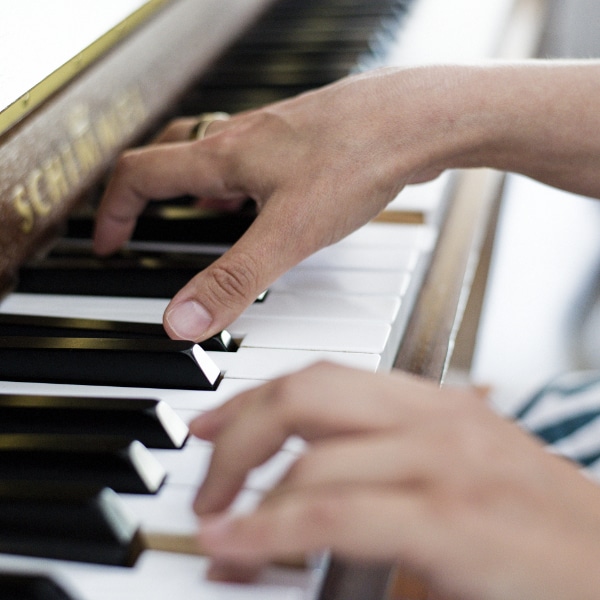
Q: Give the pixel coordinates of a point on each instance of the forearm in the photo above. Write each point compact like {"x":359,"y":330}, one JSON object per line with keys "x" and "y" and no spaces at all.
{"x":538,"y":118}
{"x":321,"y":165}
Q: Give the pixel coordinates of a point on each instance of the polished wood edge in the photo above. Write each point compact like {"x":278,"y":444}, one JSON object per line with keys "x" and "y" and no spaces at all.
{"x":63,"y":75}
{"x":401,"y":217}
{"x":464,"y":346}
{"x":428,"y":341}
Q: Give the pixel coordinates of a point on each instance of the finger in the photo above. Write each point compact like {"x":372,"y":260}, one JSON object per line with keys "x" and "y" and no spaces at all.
{"x":355,"y":523}
{"x":379,"y":458}
{"x":178,"y":130}
{"x":182,"y":129}
{"x":325,"y":399}
{"x":220,"y":205}
{"x":155,"y":172}
{"x":221,"y":292}
{"x":321,"y":401}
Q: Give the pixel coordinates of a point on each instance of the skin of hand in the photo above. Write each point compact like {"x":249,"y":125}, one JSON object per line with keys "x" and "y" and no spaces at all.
{"x":322,"y":164}
{"x":397,"y":469}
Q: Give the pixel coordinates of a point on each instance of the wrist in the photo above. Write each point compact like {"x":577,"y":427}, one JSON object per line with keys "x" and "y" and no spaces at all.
{"x":438,"y":117}
{"x":533,"y":118}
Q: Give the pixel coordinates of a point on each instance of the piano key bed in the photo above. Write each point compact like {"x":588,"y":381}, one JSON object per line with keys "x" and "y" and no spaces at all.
{"x":333,"y":307}
{"x":97,"y":471}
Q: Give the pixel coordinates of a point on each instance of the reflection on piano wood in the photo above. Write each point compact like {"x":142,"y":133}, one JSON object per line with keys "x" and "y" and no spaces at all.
{"x":360,"y":303}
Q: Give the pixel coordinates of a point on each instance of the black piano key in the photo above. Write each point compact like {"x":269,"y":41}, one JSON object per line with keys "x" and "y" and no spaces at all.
{"x":150,"y":421}
{"x":74,"y":523}
{"x":74,"y":270}
{"x":72,"y":460}
{"x":265,"y":69}
{"x":123,"y":275}
{"x":108,"y":361}
{"x":173,"y":221}
{"x":213,"y":98}
{"x":12,"y":324}
{"x":317,"y":34}
{"x":30,"y":586}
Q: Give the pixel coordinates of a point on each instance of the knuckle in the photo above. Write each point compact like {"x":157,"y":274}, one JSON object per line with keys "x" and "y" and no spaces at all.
{"x":233,"y":279}
{"x":291,"y":395}
{"x":125,"y":162}
{"x":125,"y":167}
{"x":286,"y":395}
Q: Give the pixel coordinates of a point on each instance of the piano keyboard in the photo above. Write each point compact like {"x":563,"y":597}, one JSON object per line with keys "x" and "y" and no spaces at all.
{"x":348,"y":303}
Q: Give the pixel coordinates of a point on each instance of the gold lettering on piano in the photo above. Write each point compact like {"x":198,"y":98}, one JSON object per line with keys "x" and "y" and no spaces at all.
{"x":40,"y":207}
{"x":91,"y":140}
{"x":120,"y":120}
{"x":56,"y":178}
{"x":85,"y":145}
{"x":23,"y":207}
{"x":108,"y":131}
{"x":67,"y":159}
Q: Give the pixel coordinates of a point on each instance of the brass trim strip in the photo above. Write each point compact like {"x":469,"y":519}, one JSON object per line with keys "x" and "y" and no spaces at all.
{"x":182,"y":543}
{"x":14,"y":112}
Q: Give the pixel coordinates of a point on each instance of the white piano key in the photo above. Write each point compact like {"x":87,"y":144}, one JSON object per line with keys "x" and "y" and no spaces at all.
{"x":392,"y":236}
{"x":325,"y":306}
{"x":268,"y":363}
{"x":340,"y":335}
{"x":338,"y":281}
{"x":186,"y":466}
{"x":190,"y":400}
{"x":426,"y":198}
{"x":147,"y":310}
{"x":163,"y":575}
{"x":277,"y":303}
{"x":150,"y":310}
{"x":353,"y":257}
{"x":170,"y":512}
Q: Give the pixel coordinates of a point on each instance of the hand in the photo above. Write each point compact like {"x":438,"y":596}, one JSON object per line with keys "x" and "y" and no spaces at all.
{"x":322,"y":164}
{"x":318,"y":167}
{"x":398,"y":470}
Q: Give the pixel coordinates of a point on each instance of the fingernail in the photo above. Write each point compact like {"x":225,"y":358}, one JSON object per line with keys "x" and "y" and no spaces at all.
{"x":189,"y":320}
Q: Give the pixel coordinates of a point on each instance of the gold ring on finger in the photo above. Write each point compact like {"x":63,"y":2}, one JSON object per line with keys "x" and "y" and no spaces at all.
{"x":199,"y":130}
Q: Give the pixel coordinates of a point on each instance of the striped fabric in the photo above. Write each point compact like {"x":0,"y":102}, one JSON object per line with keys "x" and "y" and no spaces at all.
{"x":565,"y":413}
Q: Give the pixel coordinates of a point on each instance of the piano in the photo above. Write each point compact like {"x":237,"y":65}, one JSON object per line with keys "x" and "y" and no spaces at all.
{"x":391,"y":295}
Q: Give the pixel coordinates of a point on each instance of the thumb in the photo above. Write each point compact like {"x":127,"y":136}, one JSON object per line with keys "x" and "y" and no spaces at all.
{"x":213,"y":298}
{"x":216,"y":296}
